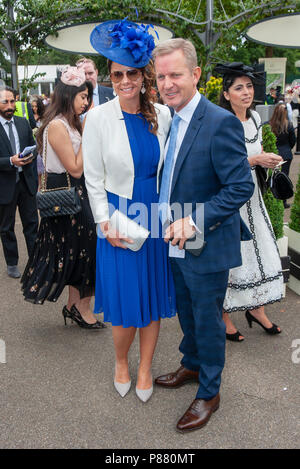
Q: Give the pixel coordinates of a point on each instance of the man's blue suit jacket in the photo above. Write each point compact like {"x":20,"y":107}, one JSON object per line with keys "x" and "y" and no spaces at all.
{"x":105,"y":94}
{"x":212,"y":168}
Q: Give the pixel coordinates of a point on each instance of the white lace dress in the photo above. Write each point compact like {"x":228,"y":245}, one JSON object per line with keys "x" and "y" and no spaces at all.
{"x":258,"y":281}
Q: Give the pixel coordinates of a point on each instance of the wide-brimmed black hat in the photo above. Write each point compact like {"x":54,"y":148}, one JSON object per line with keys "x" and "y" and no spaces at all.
{"x":231,"y":70}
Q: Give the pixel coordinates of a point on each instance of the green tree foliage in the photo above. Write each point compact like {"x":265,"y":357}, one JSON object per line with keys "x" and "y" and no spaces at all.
{"x":294,"y":223}
{"x":274,"y":206}
{"x":25,"y":23}
{"x":231,"y":45}
{"x":212,"y":90}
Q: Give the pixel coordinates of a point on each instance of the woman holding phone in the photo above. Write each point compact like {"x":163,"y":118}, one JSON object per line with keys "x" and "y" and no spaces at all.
{"x":258,"y":281}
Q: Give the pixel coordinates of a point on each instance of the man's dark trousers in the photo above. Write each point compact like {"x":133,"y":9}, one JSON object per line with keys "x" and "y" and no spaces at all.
{"x":17,"y":189}
{"x":26,"y":204}
{"x":199,"y":299}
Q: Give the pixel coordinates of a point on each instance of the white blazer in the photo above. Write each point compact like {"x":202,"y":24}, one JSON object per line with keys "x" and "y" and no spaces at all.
{"x":107,"y":158}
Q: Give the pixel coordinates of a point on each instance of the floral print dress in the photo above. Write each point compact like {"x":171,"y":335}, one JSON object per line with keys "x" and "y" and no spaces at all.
{"x":65,"y":248}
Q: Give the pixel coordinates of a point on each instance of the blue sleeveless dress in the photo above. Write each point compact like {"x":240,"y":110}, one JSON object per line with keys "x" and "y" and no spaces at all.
{"x":133,"y":288}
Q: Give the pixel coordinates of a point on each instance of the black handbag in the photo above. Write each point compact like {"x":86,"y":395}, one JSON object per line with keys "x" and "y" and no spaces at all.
{"x":261,"y":173}
{"x":262,"y":176}
{"x":280,"y":185}
{"x":57,"y":201}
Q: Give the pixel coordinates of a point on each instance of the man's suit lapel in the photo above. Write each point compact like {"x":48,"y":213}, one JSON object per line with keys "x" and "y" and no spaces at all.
{"x":103,"y":98}
{"x":100,"y":94}
{"x":20,"y":129}
{"x":5,"y":139}
{"x":189,"y":138}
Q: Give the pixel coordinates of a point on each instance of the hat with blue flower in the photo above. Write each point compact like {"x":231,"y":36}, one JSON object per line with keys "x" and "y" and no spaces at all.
{"x":124,"y":42}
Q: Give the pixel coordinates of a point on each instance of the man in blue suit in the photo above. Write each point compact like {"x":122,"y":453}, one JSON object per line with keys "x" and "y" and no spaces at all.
{"x":206,"y":173}
{"x":101,"y":94}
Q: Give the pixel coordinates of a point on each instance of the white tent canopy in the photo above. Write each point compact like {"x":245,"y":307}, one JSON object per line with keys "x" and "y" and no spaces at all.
{"x":280,"y":31}
{"x":76,"y":38}
{"x":30,"y":70}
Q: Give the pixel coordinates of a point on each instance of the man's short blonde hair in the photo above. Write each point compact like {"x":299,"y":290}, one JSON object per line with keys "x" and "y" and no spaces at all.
{"x":83,"y":61}
{"x":186,"y":46}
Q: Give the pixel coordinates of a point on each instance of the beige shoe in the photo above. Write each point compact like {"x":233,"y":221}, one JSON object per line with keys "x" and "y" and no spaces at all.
{"x":122,"y":388}
{"x":144,"y":394}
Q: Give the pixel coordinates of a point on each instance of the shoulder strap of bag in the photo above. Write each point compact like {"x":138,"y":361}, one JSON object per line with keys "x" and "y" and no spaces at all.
{"x":255,"y":123}
{"x":44,"y":157}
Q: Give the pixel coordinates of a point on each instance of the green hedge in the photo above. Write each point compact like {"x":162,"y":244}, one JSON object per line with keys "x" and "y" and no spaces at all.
{"x":294,"y":223}
{"x":274,"y":206}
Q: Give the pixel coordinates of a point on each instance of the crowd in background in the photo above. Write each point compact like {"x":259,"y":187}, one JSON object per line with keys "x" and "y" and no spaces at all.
{"x":116,"y":156}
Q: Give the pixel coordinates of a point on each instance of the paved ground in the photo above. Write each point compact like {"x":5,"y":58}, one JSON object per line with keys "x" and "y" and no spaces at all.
{"x":57,"y":390}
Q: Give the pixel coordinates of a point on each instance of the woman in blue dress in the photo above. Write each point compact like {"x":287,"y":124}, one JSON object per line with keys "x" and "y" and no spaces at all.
{"x":123,"y":144}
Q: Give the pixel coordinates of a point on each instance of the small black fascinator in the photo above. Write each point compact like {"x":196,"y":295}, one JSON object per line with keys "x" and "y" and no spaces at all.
{"x":232,"y":70}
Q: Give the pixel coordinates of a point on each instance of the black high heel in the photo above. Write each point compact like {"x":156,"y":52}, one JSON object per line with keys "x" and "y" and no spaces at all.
{"x":76,"y":316}
{"x":270,"y":330}
{"x":66,"y":314}
{"x":235,"y":337}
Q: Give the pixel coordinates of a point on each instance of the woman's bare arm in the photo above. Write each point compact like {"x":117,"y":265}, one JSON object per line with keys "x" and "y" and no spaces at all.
{"x":60,"y":141}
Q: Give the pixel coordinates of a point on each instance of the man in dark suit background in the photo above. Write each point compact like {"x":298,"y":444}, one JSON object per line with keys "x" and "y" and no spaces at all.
{"x":18,"y":181}
{"x":207,"y":174}
{"x":101,"y":94}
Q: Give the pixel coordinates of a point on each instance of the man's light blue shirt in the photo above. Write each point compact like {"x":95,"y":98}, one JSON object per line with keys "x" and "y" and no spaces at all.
{"x":96,"y":96}
{"x":185,"y":115}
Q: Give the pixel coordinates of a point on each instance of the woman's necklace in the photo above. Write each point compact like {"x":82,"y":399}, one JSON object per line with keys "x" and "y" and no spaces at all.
{"x":254,"y":139}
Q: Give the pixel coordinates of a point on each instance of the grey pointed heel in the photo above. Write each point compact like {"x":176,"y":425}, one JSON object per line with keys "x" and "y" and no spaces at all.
{"x":144,"y":394}
{"x":122,"y":388}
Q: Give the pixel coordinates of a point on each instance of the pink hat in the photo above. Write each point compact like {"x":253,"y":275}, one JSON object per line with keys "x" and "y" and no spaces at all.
{"x":73,"y":76}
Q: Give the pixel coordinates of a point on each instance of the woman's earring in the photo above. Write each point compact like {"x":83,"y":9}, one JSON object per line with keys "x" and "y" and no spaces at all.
{"x":143,"y":89}
{"x":114,"y":93}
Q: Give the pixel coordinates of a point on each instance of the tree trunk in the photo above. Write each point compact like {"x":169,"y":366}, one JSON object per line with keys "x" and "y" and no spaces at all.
{"x":14,"y":68}
{"x":12,"y":50}
{"x":269,"y":52}
{"x":13,"y":55}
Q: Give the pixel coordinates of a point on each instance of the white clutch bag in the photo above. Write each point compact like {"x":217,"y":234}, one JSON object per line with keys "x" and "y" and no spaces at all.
{"x":130,"y":229}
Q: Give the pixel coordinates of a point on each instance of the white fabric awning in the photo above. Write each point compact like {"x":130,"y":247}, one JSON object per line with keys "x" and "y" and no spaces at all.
{"x":280,"y":31}
{"x":30,"y":70}
{"x":76,"y":38}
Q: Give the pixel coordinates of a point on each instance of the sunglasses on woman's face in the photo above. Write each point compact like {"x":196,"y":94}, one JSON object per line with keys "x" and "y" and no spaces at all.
{"x":132,"y":74}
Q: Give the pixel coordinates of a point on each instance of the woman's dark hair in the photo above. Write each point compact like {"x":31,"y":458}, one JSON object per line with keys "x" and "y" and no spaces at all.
{"x":40,"y":106}
{"x":223,"y":102}
{"x":62,"y":103}
{"x":279,"y":121}
{"x":148,"y":98}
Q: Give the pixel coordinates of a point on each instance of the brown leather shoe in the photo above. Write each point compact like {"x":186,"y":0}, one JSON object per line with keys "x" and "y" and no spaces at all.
{"x":178,"y":378}
{"x":198,"y":414}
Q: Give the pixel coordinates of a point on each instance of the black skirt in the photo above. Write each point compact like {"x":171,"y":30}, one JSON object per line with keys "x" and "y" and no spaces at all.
{"x":64,"y":251}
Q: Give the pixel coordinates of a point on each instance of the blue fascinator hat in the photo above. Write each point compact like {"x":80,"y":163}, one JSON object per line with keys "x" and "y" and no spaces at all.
{"x":124,"y":42}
